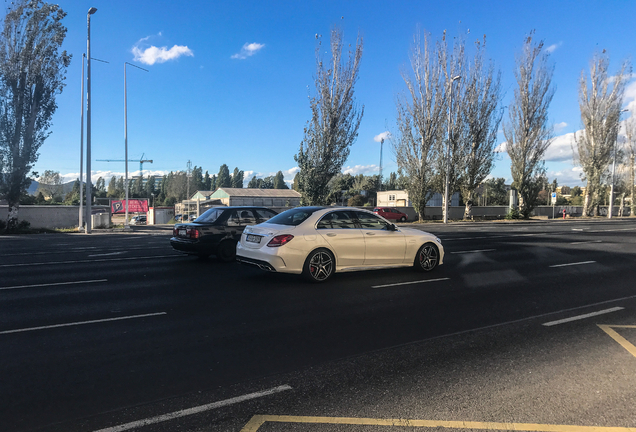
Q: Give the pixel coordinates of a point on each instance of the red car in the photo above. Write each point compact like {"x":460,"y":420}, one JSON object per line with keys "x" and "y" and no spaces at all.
{"x":390,"y":213}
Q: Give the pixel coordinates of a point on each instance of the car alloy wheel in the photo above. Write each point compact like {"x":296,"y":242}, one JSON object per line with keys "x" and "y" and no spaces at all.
{"x":319,"y":266}
{"x":226,"y":251}
{"x":402,"y":219}
{"x":427,"y":257}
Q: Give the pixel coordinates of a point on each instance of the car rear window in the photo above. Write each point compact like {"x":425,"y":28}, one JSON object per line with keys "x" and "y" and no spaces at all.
{"x":293,"y":217}
{"x":210,"y":215}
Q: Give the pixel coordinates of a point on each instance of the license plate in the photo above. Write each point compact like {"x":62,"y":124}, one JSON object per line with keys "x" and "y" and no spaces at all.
{"x":182,"y":232}
{"x":253,"y":238}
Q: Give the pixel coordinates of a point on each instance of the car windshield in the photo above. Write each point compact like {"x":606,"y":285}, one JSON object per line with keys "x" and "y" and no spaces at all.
{"x":293,"y":217}
{"x":210,"y":215}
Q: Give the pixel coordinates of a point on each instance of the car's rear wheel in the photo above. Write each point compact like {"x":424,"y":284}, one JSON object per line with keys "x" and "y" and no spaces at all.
{"x":403,"y":218}
{"x":427,"y":258}
{"x":319,"y":266}
{"x":226,"y":252}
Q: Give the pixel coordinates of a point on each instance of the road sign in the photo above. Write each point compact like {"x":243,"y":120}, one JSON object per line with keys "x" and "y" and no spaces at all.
{"x":554,"y":198}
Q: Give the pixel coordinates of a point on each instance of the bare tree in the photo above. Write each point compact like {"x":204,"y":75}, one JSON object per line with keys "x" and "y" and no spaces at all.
{"x":528,"y":133}
{"x":421,"y":117}
{"x":630,"y":150}
{"x":600,"y":103}
{"x":452,"y":155}
{"x":481,"y":119}
{"x":334,"y":123}
{"x":32,"y":73}
{"x":51,"y":185}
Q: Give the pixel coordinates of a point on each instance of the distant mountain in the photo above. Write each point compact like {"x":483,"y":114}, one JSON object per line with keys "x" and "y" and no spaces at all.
{"x":33,"y":189}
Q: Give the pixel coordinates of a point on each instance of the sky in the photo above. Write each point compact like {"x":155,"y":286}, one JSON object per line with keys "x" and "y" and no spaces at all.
{"x":228,"y":82}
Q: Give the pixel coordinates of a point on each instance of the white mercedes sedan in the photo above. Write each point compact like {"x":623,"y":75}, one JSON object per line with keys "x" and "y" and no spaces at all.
{"x":319,"y":241}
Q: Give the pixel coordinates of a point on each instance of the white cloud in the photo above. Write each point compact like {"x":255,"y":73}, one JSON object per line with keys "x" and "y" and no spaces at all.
{"x":561,"y":149}
{"x":568,"y":177}
{"x":361,"y":169}
{"x":501,"y":148}
{"x":153,"y":54}
{"x":291,"y":171}
{"x":560,"y":126}
{"x":249,"y":49}
{"x":383,"y":136}
{"x":553,"y":47}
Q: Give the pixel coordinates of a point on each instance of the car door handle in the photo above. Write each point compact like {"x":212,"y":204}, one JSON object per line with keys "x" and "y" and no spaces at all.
{"x":331,"y":234}
{"x":370,"y":233}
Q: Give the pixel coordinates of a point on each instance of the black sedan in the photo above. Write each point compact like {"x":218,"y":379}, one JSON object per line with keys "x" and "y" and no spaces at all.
{"x":217,"y":231}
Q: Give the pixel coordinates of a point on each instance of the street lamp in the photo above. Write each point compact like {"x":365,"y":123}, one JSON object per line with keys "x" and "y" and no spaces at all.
{"x":81,"y":176}
{"x":91,"y":11}
{"x":126,"y":139}
{"x":450,"y":103}
{"x":611,"y":203}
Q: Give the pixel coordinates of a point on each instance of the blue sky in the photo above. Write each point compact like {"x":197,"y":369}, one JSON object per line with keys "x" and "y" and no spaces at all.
{"x":229,"y":80}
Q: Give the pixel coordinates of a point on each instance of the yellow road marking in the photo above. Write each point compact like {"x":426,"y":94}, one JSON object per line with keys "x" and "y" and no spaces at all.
{"x":258,"y":420}
{"x":618,"y":338}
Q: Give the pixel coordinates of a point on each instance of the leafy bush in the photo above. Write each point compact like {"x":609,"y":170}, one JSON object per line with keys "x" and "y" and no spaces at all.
{"x":514,"y":214}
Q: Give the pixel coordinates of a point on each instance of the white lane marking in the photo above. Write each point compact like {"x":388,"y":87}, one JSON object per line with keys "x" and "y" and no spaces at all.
{"x":580,"y":317}
{"x":81,"y":323}
{"x":108,"y":254}
{"x":589,"y":241}
{"x":473,"y":251}
{"x":91,"y":261}
{"x":572,"y":264}
{"x":195,"y":410}
{"x":66,"y":252}
{"x":53,"y":284}
{"x":409,"y":283}
{"x":577,"y":229}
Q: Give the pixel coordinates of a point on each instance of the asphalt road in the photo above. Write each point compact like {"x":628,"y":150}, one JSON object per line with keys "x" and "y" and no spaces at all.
{"x":117,"y":332}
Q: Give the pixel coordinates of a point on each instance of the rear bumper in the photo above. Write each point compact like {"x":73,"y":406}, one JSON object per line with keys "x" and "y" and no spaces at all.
{"x":263,"y":265}
{"x":192,"y":248}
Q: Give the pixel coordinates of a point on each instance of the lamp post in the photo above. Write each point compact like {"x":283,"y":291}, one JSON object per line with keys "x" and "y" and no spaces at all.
{"x":81,"y":176}
{"x":450,"y":104}
{"x":611,"y":201}
{"x":126,"y":226}
{"x":91,"y":11}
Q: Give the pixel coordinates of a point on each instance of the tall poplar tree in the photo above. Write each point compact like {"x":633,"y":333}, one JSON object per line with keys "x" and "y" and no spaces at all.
{"x":32,"y":74}
{"x":334,"y":123}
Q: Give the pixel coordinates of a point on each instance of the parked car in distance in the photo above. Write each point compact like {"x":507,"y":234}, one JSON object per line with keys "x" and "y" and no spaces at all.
{"x":317,"y":242}
{"x":138,"y":220}
{"x":217,"y":231}
{"x":391,"y":213}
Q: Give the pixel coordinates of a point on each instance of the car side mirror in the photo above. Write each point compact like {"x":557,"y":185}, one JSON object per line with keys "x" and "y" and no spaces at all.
{"x":391,"y":227}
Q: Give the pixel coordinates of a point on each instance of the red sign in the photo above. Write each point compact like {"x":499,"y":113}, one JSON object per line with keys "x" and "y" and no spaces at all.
{"x":134,"y":206}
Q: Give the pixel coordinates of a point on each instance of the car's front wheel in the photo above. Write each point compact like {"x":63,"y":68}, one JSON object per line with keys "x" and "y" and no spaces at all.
{"x":427,"y":258}
{"x":319,"y":266}
{"x":226,"y":252}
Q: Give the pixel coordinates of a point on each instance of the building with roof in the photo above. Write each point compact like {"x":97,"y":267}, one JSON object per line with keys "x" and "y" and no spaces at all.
{"x":257,"y":197}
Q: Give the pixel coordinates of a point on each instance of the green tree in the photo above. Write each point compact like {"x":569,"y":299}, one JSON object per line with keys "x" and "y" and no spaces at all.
{"x":32,"y":72}
{"x":495,"y":192}
{"x":279,"y":181}
{"x":149,"y":187}
{"x":112,"y":187}
{"x":253,"y":183}
{"x":207,"y":181}
{"x":196,"y":180}
{"x":334,"y":123}
{"x":120,"y":190}
{"x":224,"y":179}
{"x":237,"y":178}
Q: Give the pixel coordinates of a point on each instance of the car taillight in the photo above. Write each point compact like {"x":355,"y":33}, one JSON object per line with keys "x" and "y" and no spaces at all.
{"x":280,"y":240}
{"x":175,"y":232}
{"x":193,"y":233}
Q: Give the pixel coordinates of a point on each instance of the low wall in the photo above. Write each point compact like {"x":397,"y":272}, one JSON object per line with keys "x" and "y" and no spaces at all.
{"x":54,"y":216}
